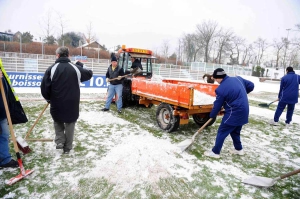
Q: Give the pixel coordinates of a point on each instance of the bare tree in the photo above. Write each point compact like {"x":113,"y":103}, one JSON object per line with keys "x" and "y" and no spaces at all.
{"x":165,"y":49}
{"x":206,"y":31}
{"x":294,"y":55}
{"x":48,"y":28}
{"x":223,"y":41}
{"x":247,"y":54}
{"x":62,"y":26}
{"x":238,"y":43}
{"x":261,"y":46}
{"x":278,"y":46}
{"x":189,"y":46}
{"x":90,"y":36}
{"x":179,"y":50}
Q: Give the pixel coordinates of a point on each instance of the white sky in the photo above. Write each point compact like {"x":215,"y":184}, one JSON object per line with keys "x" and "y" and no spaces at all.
{"x":146,"y":24}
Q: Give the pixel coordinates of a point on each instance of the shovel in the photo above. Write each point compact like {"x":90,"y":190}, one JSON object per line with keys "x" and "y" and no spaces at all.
{"x":267,"y":105}
{"x":188,"y":142}
{"x":24,"y":172}
{"x":267,"y":182}
{"x":22,"y":144}
{"x":117,"y":78}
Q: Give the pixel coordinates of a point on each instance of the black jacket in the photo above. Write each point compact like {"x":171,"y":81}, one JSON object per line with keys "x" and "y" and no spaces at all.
{"x":61,"y":85}
{"x":136,"y":64}
{"x":2,"y":108}
{"x":111,"y":74}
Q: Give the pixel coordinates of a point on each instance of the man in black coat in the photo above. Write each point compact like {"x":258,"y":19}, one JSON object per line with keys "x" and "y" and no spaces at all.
{"x":136,"y":67}
{"x":61,"y":87}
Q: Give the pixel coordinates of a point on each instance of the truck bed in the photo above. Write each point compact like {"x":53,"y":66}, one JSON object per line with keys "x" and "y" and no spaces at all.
{"x":176,"y":92}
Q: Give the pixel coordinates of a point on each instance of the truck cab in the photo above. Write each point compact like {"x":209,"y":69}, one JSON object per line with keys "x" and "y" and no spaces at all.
{"x":146,"y":59}
{"x":144,"y":56}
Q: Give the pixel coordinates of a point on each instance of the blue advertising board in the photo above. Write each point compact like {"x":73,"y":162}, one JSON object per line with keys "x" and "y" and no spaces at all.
{"x":33,"y":80}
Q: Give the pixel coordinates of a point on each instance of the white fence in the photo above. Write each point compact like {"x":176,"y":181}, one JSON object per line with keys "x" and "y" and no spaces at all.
{"x":23,"y":62}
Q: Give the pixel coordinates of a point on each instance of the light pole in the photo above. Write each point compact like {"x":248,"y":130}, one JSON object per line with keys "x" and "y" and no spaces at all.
{"x":98,"y":51}
{"x":286,"y":47}
{"x":20,"y":42}
{"x":80,"y":48}
{"x":42,"y":40}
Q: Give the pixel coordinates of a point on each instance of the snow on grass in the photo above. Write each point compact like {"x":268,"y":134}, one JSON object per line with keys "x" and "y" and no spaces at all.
{"x":119,"y":156}
{"x":142,"y":159}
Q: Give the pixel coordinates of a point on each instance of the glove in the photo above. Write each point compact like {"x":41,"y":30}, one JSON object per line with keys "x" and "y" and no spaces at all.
{"x":48,"y":101}
{"x":107,"y":80}
{"x":79,"y":63}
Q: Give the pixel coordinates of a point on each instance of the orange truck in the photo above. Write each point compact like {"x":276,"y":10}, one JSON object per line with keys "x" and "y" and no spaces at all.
{"x":176,"y":99}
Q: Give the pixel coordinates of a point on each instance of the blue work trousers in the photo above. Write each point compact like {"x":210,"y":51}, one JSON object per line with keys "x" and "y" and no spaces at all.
{"x":112,"y":90}
{"x":5,"y":156}
{"x":223,"y":131}
{"x":289,"y":114}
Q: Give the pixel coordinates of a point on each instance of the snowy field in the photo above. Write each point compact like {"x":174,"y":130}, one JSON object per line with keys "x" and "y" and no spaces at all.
{"x":128,"y":156}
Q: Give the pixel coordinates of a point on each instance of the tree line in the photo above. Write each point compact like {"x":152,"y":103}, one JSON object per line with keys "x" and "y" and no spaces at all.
{"x":216,"y":44}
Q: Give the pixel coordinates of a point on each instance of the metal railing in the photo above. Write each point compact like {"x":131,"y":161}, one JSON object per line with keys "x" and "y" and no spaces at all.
{"x":24,"y":62}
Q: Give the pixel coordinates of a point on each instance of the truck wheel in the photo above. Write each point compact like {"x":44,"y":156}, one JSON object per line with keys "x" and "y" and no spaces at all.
{"x":200,"y":119}
{"x":165,"y":118}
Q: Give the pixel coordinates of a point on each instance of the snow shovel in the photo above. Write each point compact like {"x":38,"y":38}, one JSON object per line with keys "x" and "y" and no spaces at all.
{"x":22,"y":144}
{"x":188,"y":142}
{"x":267,"y":182}
{"x":117,"y":78}
{"x":267,"y":105}
{"x":24,"y":172}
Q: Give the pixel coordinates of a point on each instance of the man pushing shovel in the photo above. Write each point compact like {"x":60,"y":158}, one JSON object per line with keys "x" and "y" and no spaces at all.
{"x":232,"y":95}
{"x":61,"y":88}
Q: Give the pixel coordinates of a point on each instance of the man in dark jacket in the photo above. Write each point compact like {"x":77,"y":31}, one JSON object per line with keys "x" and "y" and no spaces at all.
{"x":136,"y":67}
{"x":61,"y":87}
{"x":232,"y":95}
{"x":287,"y":96}
{"x":114,"y":76}
{"x":5,"y":157}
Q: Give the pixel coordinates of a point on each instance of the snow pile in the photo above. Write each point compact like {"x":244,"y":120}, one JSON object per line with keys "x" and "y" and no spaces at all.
{"x":142,"y":159}
{"x":158,"y":78}
{"x":202,"y":98}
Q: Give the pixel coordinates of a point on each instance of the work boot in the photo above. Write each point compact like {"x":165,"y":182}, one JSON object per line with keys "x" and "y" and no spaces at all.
{"x":12,"y":164}
{"x":119,"y":111}
{"x":105,"y":109}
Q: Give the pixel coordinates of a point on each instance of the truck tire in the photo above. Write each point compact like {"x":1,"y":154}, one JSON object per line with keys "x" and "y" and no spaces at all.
{"x":202,"y":118}
{"x":165,"y":118}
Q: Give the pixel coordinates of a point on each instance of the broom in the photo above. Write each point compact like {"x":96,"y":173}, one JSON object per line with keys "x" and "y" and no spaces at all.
{"x":24,"y":172}
{"x":22,"y":144}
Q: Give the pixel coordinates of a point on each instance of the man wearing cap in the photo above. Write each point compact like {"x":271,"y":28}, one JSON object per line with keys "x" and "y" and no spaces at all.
{"x":115,"y":87}
{"x":231,"y":94}
{"x":287,"y":96}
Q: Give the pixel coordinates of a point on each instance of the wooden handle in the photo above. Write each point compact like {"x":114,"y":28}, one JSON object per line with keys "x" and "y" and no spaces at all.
{"x":39,"y":140}
{"x":27,"y":134}
{"x":8,"y":117}
{"x":202,"y":127}
{"x":290,"y":174}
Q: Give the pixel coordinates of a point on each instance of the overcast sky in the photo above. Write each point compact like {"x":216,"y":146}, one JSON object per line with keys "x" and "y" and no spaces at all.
{"x":147,"y":24}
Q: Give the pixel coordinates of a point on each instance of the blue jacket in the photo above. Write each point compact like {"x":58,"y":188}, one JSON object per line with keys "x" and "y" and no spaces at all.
{"x":289,"y":88}
{"x":232,"y":95}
